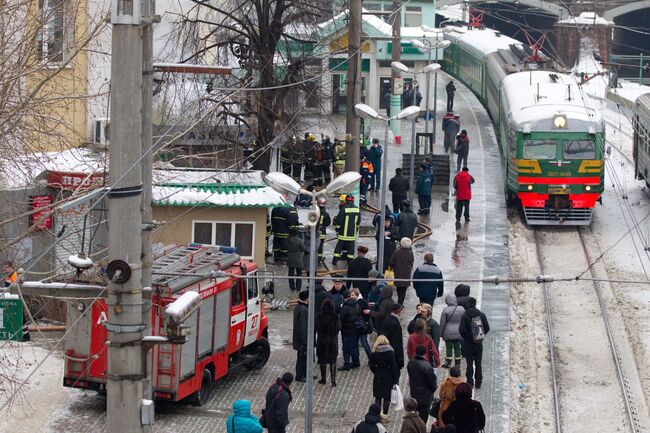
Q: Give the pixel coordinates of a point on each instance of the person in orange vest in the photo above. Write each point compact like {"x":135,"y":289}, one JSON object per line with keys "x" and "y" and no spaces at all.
{"x":366,"y":171}
{"x":10,"y":274}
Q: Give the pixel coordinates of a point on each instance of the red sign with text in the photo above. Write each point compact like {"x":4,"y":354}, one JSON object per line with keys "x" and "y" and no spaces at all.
{"x":40,"y":217}
{"x":60,"y":179}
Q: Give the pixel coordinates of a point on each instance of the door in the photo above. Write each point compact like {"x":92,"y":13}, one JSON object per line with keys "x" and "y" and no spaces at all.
{"x":237,"y":315}
{"x":253,"y":306}
{"x":384,"y":89}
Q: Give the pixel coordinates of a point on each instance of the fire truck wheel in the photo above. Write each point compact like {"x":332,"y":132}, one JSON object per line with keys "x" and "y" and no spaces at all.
{"x":262,"y":350}
{"x":201,"y":397}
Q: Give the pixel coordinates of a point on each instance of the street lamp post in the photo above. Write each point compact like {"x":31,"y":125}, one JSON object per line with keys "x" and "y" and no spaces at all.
{"x":365,"y":111}
{"x":284,"y":184}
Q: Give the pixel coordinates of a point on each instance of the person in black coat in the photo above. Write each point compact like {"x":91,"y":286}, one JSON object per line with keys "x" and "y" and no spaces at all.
{"x":462,"y":295}
{"x":371,"y":422}
{"x":327,"y":340}
{"x":384,"y":309}
{"x":392,"y":329}
{"x":300,"y":322}
{"x":451,"y":90}
{"x":359,"y":267}
{"x":407,"y":221}
{"x":464,"y":413}
{"x":473,"y":350}
{"x":349,"y":334}
{"x":389,"y":233}
{"x":385,"y":372}
{"x":320,"y":294}
{"x":398,"y":185}
{"x":423,"y":381}
{"x":278,"y":397}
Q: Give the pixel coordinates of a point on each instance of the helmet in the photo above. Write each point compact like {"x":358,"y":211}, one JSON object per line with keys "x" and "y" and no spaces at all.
{"x":311,"y":137}
{"x":342,"y":197}
{"x":349,"y":197}
{"x":322,"y":202}
{"x":406,"y":204}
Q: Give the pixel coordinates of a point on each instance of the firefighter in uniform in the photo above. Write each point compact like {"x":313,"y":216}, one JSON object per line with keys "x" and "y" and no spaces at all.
{"x":339,"y":157}
{"x":347,"y":230}
{"x":323,"y":222}
{"x":365,"y":170}
{"x":321,"y":164}
{"x":308,"y":157}
{"x":329,"y":158}
{"x":286,"y":156}
{"x":280,"y":229}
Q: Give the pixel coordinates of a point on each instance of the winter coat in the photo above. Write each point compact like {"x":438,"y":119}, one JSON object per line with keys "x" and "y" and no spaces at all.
{"x":433,"y":326}
{"x":327,"y":333}
{"x":392,"y":329}
{"x":450,"y":319}
{"x":383,"y":365}
{"x":431,"y":354}
{"x":402,"y":263}
{"x":466,"y":326}
{"x":412,"y":423}
{"x":359,"y":268}
{"x":349,"y":314}
{"x":450,"y":88}
{"x":464,"y":413}
{"x":447,"y":394}
{"x":407,"y":222}
{"x":337,"y":298}
{"x":423,"y":184}
{"x":384,"y":308}
{"x":374,"y":156}
{"x":295,"y":252}
{"x":241,"y":420}
{"x":462,"y":146}
{"x":371,"y":424}
{"x":463,"y":185}
{"x":320,"y":294}
{"x":462,"y":295}
{"x":422,"y":379}
{"x":428,"y":289}
{"x":300,"y":323}
{"x":398,"y":185}
{"x":451,"y":125}
{"x":276,"y":411}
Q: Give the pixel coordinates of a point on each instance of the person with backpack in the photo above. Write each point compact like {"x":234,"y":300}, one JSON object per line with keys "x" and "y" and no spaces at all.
{"x":275,"y":415}
{"x":412,"y":422}
{"x":351,"y":323}
{"x":371,"y":422}
{"x":241,"y":420}
{"x":474,"y":327}
{"x":450,"y":323}
{"x":465,"y":413}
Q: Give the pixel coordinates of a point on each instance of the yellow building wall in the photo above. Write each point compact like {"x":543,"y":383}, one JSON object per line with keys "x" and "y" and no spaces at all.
{"x":178,"y":229}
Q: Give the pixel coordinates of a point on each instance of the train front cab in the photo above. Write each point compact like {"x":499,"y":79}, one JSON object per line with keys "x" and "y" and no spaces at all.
{"x":557,"y":178}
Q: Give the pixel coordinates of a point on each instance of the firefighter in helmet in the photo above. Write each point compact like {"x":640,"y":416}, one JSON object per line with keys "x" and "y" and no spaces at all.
{"x":323,"y":222}
{"x":365,"y":170}
{"x":339,"y":157}
{"x":280,"y":229}
{"x":347,"y":230}
{"x":308,"y":157}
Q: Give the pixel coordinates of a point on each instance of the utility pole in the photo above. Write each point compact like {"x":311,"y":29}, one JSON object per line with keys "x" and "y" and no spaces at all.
{"x":353,"y":86}
{"x":396,"y":79}
{"x":125,"y":325}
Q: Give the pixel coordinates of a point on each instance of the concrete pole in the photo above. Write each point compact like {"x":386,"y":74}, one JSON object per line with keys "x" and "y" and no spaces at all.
{"x":435,"y":105}
{"x":414,"y":90}
{"x":125,"y":328}
{"x":380,"y":253}
{"x":426,"y":123}
{"x":395,"y":100}
{"x":353,"y":86}
{"x":309,"y":405}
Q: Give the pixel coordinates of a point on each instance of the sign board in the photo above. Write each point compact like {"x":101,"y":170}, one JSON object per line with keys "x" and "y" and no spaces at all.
{"x":11,"y":319}
{"x":398,"y":86}
{"x":67,"y":180}
{"x":40,"y":217}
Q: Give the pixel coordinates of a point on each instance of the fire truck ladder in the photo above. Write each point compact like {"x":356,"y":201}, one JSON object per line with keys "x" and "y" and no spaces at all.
{"x":172,"y":268}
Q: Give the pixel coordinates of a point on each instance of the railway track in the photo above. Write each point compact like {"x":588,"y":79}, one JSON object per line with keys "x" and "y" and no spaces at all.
{"x":595,"y":382}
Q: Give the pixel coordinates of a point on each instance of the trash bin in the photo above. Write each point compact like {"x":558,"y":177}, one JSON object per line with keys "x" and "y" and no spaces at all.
{"x":11,"y":317}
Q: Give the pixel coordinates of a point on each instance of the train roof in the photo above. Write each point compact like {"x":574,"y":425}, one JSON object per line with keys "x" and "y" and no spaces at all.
{"x":643,"y":104}
{"x":534,"y":99}
{"x":481,"y":42}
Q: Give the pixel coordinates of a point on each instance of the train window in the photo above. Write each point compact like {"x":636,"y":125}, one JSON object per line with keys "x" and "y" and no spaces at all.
{"x":578,"y":149}
{"x":539,"y":149}
{"x":236,"y":294}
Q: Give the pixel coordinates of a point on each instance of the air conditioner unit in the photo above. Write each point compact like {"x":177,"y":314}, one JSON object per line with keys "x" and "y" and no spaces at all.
{"x":100,"y":132}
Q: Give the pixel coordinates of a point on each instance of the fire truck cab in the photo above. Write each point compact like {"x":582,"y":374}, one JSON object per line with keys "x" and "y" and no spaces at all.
{"x":228,"y":330}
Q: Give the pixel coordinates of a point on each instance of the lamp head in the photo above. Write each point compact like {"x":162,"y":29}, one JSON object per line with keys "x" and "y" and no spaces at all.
{"x":426,"y":28}
{"x":399,"y":67}
{"x":410,"y":112}
{"x":443,"y":44}
{"x":282,"y":183}
{"x":365,"y":111}
{"x":418,"y":44}
{"x":432,"y":67}
{"x":344,"y":183}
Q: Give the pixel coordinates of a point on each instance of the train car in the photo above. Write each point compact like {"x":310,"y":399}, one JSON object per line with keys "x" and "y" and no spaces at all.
{"x":551,"y":141}
{"x":641,"y":126}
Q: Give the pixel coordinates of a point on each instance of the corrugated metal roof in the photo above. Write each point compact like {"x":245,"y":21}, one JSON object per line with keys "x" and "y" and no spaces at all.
{"x":217,"y":195}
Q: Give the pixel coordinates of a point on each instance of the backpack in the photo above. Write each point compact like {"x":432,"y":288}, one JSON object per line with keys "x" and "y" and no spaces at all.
{"x":478,"y":331}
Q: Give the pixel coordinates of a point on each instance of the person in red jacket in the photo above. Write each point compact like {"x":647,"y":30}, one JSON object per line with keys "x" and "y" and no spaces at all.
{"x":463,"y":186}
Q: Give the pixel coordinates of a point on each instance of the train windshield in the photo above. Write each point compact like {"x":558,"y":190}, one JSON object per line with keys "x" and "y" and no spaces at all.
{"x":578,"y":149}
{"x":539,"y":149}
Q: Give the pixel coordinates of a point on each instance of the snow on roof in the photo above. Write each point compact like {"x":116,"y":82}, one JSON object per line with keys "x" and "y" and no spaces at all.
{"x":451,"y":12}
{"x":481,"y":42}
{"x":627,"y":93}
{"x":526,"y":109}
{"x":586,"y":19}
{"x":417,"y":32}
{"x":205,"y":176}
{"x":218,"y":196}
{"x":371,"y":25}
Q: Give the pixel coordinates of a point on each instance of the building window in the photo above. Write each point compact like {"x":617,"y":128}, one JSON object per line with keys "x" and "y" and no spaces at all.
{"x":413,"y":16}
{"x":231,"y":234}
{"x":51,"y":37}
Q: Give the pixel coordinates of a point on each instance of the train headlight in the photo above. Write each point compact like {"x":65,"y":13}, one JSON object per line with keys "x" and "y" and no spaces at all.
{"x":559,"y":121}
{"x":530,"y":187}
{"x":588,"y":188}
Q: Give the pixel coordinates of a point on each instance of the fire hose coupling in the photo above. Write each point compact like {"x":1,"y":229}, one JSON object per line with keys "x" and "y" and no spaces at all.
{"x":545,"y":279}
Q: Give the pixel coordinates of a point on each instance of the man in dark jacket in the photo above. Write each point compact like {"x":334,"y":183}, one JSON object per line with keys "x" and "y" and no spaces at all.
{"x":428,"y":291}
{"x":462,"y":295}
{"x":462,"y":149}
{"x":374,"y":156}
{"x":473,"y":346}
{"x":423,"y":381}
{"x":451,"y":90}
{"x":423,"y":190}
{"x":398,"y":185}
{"x":450,"y":126}
{"x":371,"y":422}
{"x":336,"y":294}
{"x":320,"y":294}
{"x":392,"y":329}
{"x":349,"y":334}
{"x":300,"y":322}
{"x":359,"y":268}
{"x":465,"y":414}
{"x":383,"y":310}
{"x":407,"y":221}
{"x":278,"y":397}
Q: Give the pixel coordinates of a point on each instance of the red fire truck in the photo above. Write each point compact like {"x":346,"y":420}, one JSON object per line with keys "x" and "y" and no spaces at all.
{"x":228,"y":330}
